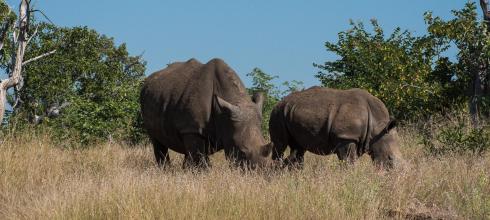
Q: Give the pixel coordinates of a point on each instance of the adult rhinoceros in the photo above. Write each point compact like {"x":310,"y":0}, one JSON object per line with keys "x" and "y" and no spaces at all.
{"x":324,"y":121}
{"x":198,"y":109}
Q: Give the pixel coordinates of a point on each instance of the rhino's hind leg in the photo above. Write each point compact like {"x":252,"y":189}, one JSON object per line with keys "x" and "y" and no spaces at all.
{"x":197,"y":152}
{"x":347,"y":151}
{"x":161,"y":153}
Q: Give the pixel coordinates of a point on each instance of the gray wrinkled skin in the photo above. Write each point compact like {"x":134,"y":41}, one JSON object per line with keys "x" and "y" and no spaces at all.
{"x":198,"y":109}
{"x":325,"y":121}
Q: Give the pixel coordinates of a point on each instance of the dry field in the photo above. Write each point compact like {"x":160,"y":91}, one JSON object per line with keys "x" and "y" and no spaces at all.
{"x":39,"y":180}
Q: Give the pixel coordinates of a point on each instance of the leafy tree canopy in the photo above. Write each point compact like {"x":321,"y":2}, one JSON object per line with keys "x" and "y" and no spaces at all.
{"x":411,"y":74}
{"x":88,"y":89}
{"x":262,"y":82}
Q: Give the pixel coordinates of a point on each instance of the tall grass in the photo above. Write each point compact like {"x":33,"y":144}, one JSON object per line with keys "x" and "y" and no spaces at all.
{"x":112,"y":181}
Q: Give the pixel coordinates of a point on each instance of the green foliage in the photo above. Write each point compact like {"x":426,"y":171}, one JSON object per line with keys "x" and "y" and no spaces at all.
{"x":411,"y":74}
{"x":456,"y":135}
{"x":95,"y":81}
{"x":292,"y":86}
{"x":397,"y":69}
{"x":469,"y":34}
{"x":7,"y":19}
{"x":4,"y":11}
{"x":262,"y":82}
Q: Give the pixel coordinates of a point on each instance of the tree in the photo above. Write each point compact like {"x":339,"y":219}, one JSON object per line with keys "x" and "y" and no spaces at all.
{"x":292,"y":86}
{"x":7,"y":19}
{"x":486,"y":13}
{"x":470,"y":35}
{"x":88,"y":90}
{"x":262,"y":82}
{"x":413,"y":75}
{"x":21,"y":36}
{"x":397,"y":69}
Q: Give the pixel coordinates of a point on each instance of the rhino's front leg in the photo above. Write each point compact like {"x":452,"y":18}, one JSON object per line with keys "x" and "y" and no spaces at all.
{"x":347,"y":151}
{"x":161,"y":153}
{"x":196,"y":153}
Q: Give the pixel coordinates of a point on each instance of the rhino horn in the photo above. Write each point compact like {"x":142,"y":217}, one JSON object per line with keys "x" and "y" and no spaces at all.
{"x":227,"y":106}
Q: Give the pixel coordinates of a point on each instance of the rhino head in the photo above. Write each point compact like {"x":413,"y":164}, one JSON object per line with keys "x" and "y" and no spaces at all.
{"x":241,"y":132}
{"x":385,"y":150}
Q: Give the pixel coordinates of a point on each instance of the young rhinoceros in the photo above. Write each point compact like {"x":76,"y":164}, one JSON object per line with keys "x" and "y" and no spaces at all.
{"x":197,"y":109}
{"x":324,"y":121}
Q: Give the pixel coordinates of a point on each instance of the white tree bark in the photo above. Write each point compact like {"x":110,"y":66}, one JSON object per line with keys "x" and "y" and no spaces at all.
{"x":21,"y":40}
{"x":38,"y":57}
{"x":19,"y":56}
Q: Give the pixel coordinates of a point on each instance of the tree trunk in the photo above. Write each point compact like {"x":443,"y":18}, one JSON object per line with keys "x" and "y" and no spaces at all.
{"x":486,"y":17}
{"x":476,"y":98}
{"x":22,"y":38}
{"x":477,"y":84}
{"x":484,"y":7}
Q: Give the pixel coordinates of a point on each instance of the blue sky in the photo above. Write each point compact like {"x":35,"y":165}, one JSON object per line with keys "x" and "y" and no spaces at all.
{"x":282,"y":38}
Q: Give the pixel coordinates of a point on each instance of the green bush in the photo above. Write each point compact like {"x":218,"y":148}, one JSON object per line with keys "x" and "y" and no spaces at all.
{"x":413,"y":75}
{"x":262,"y":82}
{"x":94,"y":83}
{"x":396,"y":68}
{"x":455,"y":135}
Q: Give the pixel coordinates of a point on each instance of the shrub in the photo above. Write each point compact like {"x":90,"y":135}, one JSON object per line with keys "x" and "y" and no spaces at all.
{"x":262,"y":82}
{"x":455,"y":135}
{"x":92,"y":82}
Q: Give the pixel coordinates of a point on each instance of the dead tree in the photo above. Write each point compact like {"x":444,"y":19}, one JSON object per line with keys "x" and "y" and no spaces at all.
{"x":21,"y":39}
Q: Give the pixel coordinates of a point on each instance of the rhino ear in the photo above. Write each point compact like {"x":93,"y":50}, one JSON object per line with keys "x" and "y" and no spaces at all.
{"x":392,"y":124}
{"x":258,"y":98}
{"x":226,"y":106}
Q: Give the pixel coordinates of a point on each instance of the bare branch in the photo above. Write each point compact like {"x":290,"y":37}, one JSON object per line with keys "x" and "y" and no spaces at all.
{"x":33,"y":35}
{"x":17,"y":101}
{"x":15,"y":76}
{"x":55,"y":110}
{"x":38,"y":57}
{"x":44,"y":15}
{"x":137,"y":61}
{"x":14,"y":36}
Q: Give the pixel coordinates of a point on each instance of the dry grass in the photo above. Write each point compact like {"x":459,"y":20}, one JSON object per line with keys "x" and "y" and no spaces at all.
{"x":42,"y":181}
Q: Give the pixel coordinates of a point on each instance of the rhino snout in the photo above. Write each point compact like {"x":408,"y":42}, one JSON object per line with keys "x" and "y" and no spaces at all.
{"x":390,"y":162}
